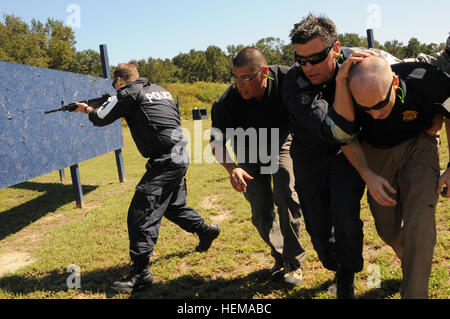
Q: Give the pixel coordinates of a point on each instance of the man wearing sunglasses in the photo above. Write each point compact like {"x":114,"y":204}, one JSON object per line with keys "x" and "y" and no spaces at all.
{"x":399,"y":161}
{"x":254,"y":103}
{"x":329,"y":188}
{"x":155,"y":125}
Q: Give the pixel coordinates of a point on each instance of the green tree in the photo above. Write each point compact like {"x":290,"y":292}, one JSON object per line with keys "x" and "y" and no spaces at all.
{"x":51,"y":45}
{"x":14,"y":38}
{"x":87,"y":62}
{"x":158,"y":70}
{"x":287,"y":57}
{"x":429,"y":48}
{"x":182,"y":61}
{"x":413,"y":48}
{"x":233,"y":51}
{"x":395,"y":48}
{"x":350,"y":40}
{"x":61,"y":45}
{"x":193,"y":67}
{"x":272,"y":48}
{"x":218,"y":65}
{"x":199,"y":67}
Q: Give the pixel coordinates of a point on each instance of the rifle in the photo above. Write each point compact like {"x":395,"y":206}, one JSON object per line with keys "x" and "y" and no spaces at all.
{"x":95,"y":103}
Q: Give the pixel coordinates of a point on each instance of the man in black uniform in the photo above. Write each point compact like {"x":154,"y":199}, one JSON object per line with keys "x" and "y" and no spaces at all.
{"x":253,"y":116}
{"x":329,"y":188}
{"x":397,"y":159}
{"x":154,"y":122}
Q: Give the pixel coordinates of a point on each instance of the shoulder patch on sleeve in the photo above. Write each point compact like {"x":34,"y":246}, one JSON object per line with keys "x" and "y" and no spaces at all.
{"x":106,"y":108}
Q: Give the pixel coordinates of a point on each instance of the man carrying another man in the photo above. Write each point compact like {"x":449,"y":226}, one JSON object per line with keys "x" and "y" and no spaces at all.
{"x":329,"y":188}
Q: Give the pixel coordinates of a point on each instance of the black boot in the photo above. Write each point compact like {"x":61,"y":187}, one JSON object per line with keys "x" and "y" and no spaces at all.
{"x":139,"y":278}
{"x":345,"y":284}
{"x":207,"y":234}
{"x":277,"y":271}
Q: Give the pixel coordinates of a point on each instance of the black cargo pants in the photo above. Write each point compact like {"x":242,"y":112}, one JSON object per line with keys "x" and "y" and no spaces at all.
{"x":330,"y":191}
{"x":161,"y":192}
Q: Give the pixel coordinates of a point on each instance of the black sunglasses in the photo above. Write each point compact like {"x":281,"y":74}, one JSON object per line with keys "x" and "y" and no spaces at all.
{"x":315,"y":58}
{"x":377,"y":106}
{"x":114,"y":83}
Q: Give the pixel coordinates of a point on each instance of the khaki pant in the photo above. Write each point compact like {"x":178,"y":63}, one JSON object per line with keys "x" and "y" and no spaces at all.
{"x":412,"y":168}
{"x":283,"y":235}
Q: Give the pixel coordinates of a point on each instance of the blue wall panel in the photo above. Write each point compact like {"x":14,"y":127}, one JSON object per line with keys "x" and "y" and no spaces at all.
{"x":33,"y":144}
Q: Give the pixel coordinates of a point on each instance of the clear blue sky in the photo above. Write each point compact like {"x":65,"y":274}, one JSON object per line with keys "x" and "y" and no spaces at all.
{"x":137,"y":29}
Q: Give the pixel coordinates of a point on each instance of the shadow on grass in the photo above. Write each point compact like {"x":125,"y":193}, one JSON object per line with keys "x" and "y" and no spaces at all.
{"x":184,"y":287}
{"x":191,"y":286}
{"x":388,"y":288}
{"x":56,"y":195}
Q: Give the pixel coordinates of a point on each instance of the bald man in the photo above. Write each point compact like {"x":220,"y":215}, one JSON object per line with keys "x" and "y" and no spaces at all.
{"x":397,"y":160}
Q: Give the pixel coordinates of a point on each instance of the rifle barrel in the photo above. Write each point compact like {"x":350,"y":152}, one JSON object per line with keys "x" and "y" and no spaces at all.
{"x":54,"y":111}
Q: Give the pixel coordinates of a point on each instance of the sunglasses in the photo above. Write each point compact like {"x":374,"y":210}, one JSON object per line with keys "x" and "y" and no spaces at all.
{"x":315,"y":58}
{"x":121,"y":82}
{"x":377,"y":106}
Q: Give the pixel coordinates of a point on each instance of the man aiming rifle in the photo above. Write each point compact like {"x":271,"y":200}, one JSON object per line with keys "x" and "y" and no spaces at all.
{"x":156,"y":129}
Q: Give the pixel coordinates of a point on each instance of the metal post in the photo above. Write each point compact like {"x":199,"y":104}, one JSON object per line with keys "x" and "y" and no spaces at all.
{"x":120,"y":166}
{"x":76,"y":182}
{"x":107,"y":75}
{"x":62,"y":175}
{"x":105,"y":61}
{"x":370,"y":39}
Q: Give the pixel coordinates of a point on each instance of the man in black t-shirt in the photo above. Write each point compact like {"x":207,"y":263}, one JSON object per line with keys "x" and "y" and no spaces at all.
{"x":252,"y":115}
{"x":154,"y":122}
{"x":398,"y":160}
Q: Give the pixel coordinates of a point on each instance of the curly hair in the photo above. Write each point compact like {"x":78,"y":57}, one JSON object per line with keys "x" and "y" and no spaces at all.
{"x":312,"y":27}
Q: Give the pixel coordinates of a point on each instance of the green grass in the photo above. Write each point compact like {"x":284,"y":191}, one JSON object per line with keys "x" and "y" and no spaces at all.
{"x":39,"y":219}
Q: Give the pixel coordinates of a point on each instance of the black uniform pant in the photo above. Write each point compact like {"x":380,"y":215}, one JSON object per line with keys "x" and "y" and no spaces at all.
{"x":330,"y":190}
{"x":161,"y":192}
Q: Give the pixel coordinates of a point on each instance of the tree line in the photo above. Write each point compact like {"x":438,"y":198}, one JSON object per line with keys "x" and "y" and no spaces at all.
{"x":48,"y":45}
{"x":52,"y":45}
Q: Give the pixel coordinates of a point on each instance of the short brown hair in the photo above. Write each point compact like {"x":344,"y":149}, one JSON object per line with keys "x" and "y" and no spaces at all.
{"x":127,"y":71}
{"x":312,"y":27}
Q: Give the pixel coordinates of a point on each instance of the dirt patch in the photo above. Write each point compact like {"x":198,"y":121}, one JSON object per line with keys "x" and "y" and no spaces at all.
{"x":16,"y":250}
{"x":219,"y":214}
{"x":13,"y":261}
{"x":221,"y":217}
{"x":210,"y":202}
